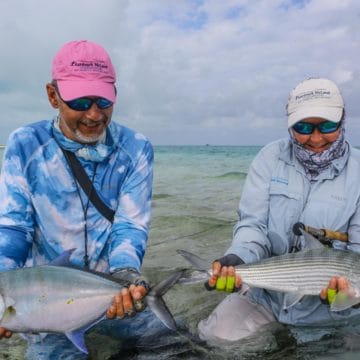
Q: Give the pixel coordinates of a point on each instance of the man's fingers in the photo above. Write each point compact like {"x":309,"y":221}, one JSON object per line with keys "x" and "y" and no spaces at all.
{"x":137,"y":292}
{"x":5,"y":333}
{"x":119,"y":304}
{"x":127,"y":303}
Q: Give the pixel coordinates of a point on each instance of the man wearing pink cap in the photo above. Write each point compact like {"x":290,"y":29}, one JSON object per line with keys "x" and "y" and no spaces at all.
{"x":102,"y":211}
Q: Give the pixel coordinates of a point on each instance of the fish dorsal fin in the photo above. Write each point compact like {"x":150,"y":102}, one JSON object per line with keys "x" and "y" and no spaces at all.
{"x":78,"y":339}
{"x":311,"y":242}
{"x":291,"y":299}
{"x":198,"y":263}
{"x":63,"y":259}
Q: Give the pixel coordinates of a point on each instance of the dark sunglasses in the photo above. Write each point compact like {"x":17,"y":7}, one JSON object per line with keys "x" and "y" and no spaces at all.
{"x":85,"y":103}
{"x":325,"y":127}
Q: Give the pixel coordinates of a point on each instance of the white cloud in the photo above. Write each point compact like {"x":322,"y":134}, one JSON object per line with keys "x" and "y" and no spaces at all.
{"x":191,"y":71}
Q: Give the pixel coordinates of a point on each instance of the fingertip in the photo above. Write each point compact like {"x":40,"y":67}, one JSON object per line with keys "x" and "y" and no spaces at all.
{"x":216,"y":267}
{"x":333,"y":283}
{"x":224,"y":271}
{"x":231,"y":271}
{"x":323,"y":294}
{"x":343,"y":283}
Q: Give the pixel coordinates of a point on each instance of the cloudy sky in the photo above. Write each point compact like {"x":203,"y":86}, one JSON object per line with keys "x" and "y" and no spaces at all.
{"x":189,"y":71}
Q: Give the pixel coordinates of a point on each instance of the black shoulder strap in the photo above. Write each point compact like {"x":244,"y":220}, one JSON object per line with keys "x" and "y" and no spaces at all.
{"x":87,"y":186}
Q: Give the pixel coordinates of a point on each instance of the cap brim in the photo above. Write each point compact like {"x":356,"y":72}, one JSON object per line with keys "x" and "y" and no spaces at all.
{"x":328,"y":113}
{"x":70,"y":90}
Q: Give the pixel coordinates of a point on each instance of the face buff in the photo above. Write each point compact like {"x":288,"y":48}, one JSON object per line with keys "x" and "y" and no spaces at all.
{"x":97,"y":152}
{"x":314,"y":163}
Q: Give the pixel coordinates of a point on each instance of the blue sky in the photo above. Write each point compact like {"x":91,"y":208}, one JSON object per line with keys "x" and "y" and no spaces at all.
{"x":189,"y":72}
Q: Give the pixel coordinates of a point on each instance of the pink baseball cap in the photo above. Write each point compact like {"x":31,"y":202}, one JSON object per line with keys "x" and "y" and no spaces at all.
{"x":83,"y":68}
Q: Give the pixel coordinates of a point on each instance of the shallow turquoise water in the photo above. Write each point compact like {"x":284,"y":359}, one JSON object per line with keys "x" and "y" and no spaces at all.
{"x":196,"y":193}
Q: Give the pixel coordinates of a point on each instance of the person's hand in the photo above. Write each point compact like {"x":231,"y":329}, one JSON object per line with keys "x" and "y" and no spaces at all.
{"x":129,"y":300}
{"x":336,"y":284}
{"x":223,"y":276}
{"x":5,"y":333}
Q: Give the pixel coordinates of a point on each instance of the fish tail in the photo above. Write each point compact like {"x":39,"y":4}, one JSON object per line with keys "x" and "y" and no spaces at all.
{"x":156,"y":303}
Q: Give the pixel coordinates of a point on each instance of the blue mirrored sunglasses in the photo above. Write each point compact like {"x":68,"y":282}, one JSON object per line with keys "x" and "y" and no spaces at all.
{"x":325,"y":127}
{"x":85,"y":103}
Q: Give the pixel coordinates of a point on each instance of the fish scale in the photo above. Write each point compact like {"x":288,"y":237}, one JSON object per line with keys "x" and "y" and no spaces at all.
{"x":309,"y":270}
{"x":62,"y":298}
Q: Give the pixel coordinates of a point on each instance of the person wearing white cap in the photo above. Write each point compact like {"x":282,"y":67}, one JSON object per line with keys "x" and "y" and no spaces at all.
{"x":312,"y":177}
{"x":46,"y":206}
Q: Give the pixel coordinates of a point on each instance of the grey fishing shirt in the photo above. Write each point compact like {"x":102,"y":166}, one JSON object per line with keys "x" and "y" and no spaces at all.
{"x":277,"y":194}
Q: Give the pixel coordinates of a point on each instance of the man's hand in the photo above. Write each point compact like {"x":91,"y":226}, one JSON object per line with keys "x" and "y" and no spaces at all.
{"x":224,"y":277}
{"x":335,"y":285}
{"x":5,"y":333}
{"x":129,"y":300}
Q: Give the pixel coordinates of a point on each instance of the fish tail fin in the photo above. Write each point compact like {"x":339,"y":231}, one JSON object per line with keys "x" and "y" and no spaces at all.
{"x":156,"y":303}
{"x":345,"y":299}
{"x":198,"y":263}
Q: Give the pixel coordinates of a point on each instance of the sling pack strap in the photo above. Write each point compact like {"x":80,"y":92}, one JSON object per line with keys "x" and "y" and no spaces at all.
{"x":86,"y":184}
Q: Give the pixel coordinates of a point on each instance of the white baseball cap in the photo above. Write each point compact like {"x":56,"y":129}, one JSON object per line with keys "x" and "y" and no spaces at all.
{"x":315,"y":97}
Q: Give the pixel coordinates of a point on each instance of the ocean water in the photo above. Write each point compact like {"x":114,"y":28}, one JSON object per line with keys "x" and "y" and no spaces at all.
{"x":195,"y":197}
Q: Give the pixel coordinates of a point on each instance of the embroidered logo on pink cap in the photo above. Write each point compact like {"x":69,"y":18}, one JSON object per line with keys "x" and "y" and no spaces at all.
{"x":83,"y":68}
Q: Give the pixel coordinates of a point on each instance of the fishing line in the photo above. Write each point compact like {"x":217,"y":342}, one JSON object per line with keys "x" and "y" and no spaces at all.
{"x":198,"y":232}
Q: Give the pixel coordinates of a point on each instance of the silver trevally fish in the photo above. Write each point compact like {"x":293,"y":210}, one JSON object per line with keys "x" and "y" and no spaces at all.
{"x":62,"y":298}
{"x":296,"y":274}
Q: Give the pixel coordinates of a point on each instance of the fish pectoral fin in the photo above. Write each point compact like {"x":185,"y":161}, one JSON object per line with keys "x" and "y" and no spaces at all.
{"x":77,"y":337}
{"x":63,"y":259}
{"x":6,"y":306}
{"x":33,"y":337}
{"x":311,"y":242}
{"x":291,"y":299}
{"x":345,"y":300}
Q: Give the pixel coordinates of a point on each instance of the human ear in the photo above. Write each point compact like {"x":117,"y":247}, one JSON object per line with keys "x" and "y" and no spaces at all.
{"x":52,"y":96}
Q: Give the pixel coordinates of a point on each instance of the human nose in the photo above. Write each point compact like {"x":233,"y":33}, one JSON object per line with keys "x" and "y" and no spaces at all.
{"x":316,"y":136}
{"x":94,"y":113}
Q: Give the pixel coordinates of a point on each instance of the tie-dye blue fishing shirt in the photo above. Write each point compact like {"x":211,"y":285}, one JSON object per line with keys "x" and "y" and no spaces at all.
{"x":42,"y":215}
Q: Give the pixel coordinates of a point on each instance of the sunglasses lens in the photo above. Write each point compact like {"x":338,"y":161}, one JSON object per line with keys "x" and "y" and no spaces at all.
{"x":80,"y":104}
{"x":327,"y":127}
{"x":103,"y":103}
{"x":83,"y":104}
{"x":303,"y":128}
